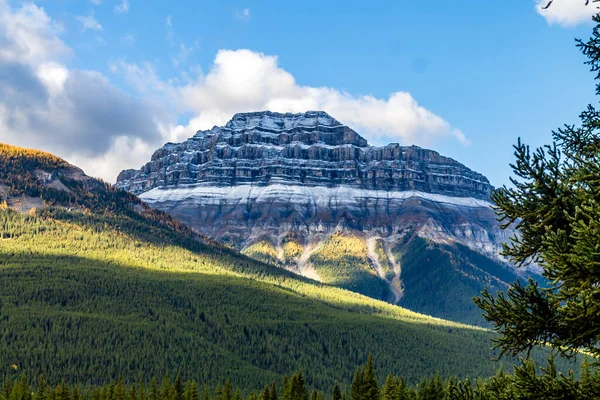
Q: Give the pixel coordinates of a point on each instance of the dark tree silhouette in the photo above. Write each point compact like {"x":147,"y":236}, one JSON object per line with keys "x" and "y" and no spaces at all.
{"x":587,"y":2}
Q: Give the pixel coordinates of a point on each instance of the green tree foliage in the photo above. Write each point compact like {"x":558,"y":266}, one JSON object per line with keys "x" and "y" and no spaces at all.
{"x":395,"y":389}
{"x":436,"y":269}
{"x":364,"y":385}
{"x":523,"y":384}
{"x":337,"y":393}
{"x":555,"y":204}
{"x":155,"y":307}
{"x":342,"y":260}
{"x":97,"y":286}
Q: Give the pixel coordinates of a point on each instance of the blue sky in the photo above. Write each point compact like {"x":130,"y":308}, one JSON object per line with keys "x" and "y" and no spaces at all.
{"x":111,"y":80}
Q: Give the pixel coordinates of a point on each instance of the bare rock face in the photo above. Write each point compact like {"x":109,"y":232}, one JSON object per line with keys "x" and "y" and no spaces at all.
{"x":309,"y":149}
{"x":269,"y":177}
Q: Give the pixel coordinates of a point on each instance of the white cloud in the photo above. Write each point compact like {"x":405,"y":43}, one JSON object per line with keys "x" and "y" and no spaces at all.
{"x":89,"y":22}
{"x":76,"y":114}
{"x":243,"y":15}
{"x":54,"y":76}
{"x":96,"y":2}
{"x":123,"y":7}
{"x":109,"y":164}
{"x":566,"y":12}
{"x":81,"y":116}
{"x":169,"y":21}
{"x":244,"y":80}
{"x":29,"y":35}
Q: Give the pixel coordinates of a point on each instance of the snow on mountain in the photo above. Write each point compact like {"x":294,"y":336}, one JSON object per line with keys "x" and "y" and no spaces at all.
{"x":267,"y":177}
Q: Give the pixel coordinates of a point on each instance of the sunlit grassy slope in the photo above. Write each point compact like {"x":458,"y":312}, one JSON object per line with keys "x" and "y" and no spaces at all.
{"x":341,"y":260}
{"x":98,"y":286}
{"x":435,"y":279}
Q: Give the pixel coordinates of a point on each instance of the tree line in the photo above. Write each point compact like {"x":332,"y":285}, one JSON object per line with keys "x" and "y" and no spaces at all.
{"x":524,"y":383}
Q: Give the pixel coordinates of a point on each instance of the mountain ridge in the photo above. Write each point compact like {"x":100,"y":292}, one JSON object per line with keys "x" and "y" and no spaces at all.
{"x":144,"y":298}
{"x":288,"y":140}
{"x":268,"y":180}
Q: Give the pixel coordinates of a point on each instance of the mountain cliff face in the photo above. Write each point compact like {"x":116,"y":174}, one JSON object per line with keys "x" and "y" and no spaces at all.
{"x":310,"y":149}
{"x":308,"y":193}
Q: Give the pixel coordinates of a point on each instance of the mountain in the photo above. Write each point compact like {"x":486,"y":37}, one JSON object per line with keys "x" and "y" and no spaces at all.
{"x":307,"y":193}
{"x":96,"y":285}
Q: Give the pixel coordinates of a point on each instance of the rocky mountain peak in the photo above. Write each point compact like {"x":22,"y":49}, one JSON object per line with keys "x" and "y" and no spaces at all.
{"x":308,"y":149}
{"x":281,"y":121}
{"x":272,"y":128}
{"x":296,"y":189}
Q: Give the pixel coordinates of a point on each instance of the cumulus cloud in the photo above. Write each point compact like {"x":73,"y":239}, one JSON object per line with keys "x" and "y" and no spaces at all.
{"x":89,"y":22}
{"x":74,"y":113}
{"x":81,"y":116}
{"x":123,"y":7}
{"x":244,"y":80}
{"x":28,"y":35}
{"x":566,"y":12}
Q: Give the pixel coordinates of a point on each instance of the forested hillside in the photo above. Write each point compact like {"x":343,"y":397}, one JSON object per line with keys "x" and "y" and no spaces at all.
{"x":95,"y":285}
{"x":429,"y":270}
{"x":416,"y":273}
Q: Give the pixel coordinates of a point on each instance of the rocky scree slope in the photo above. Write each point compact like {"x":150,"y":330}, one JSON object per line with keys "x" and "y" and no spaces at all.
{"x":307,"y":193}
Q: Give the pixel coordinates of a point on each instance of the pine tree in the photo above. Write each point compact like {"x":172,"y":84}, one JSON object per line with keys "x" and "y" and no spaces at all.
{"x":119,"y":393}
{"x":178,"y":389}
{"x":63,"y":392}
{"x":219,"y":392}
{"x":266,"y":393}
{"x":141,"y":391}
{"x":298,"y":387}
{"x":132,"y":393}
{"x":7,"y":388}
{"x":337,"y":393}
{"x":555,"y":205}
{"x":166,"y":388}
{"x":40,"y":394}
{"x":110,"y":391}
{"x":227,"y":391}
{"x":153,"y":394}
{"x":402,"y":392}
{"x":187,"y":392}
{"x":16,"y":392}
{"x":389,"y":389}
{"x":286,"y":390}
{"x":76,"y":394}
{"x":104,"y":393}
{"x":194,"y":394}
{"x":370,"y":387}
{"x":431,"y":389}
{"x":356,"y":389}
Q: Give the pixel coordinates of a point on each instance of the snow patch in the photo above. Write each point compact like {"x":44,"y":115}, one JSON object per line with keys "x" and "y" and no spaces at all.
{"x":320,"y":195}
